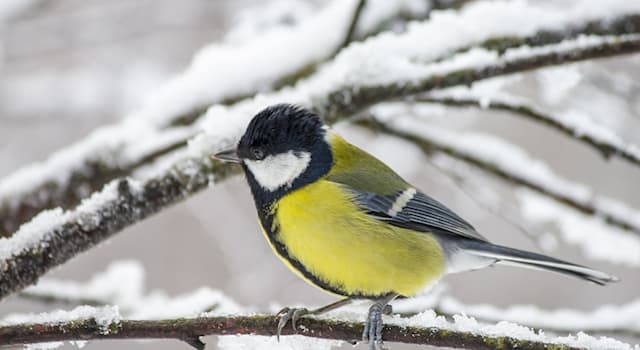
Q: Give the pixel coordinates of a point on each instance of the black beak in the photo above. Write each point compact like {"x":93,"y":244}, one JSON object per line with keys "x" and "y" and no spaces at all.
{"x":229,"y":155}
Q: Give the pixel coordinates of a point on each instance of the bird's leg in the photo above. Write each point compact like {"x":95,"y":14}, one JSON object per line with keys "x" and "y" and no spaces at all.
{"x":373,"y":324}
{"x":294,"y":314}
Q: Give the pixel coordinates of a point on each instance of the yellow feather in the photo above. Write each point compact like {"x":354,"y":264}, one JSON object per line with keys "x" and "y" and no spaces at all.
{"x":340,"y":245}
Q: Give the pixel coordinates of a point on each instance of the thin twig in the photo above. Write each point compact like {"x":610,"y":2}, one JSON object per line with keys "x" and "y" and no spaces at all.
{"x":192,"y":328}
{"x":351,"y":30}
{"x":604,"y":147}
{"x":57,"y":299}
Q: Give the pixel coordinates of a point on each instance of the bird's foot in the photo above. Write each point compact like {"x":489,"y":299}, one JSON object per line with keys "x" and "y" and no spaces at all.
{"x":373,"y":325}
{"x":289,"y":314}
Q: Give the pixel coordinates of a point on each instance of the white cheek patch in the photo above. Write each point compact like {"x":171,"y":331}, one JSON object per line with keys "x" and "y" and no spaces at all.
{"x":278,"y":170}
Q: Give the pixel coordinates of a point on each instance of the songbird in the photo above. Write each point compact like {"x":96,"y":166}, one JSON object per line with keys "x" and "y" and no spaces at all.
{"x":346,"y":223}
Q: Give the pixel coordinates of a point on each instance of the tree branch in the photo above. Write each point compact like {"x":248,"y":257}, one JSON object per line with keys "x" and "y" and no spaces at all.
{"x":93,"y":176}
{"x":352,"y":99}
{"x":32,"y":254}
{"x":349,"y":35}
{"x":193,"y":328}
{"x":605,"y":146}
{"x":620,"y":320}
{"x":627,"y":24}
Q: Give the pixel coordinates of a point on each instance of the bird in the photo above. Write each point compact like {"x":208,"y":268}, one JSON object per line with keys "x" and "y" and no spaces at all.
{"x":347,"y":223}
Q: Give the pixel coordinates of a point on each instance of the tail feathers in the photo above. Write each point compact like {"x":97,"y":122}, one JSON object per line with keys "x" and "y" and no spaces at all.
{"x":509,"y":256}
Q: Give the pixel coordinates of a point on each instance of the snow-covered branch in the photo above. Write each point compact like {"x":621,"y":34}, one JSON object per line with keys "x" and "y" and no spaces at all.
{"x":600,"y":138}
{"x":55,"y":236}
{"x":122,"y":285}
{"x":425,"y":329}
{"x":467,"y":68}
{"x":619,"y":319}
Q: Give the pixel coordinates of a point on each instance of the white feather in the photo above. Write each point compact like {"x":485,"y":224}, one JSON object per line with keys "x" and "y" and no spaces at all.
{"x":461,"y":261}
{"x":278,"y":170}
{"x":401,"y":201}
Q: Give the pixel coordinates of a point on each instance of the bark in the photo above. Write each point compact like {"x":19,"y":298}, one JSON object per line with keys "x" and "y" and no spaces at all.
{"x":190,"y":331}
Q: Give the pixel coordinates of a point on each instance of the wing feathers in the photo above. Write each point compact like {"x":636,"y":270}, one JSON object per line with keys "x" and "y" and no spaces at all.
{"x":412,"y":209}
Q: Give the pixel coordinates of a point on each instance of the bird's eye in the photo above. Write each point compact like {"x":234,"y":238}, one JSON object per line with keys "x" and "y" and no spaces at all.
{"x":258,"y":154}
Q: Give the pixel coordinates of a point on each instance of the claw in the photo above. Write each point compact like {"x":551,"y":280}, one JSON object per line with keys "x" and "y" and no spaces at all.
{"x":287,"y":314}
{"x":373,"y":325}
{"x":297,"y":313}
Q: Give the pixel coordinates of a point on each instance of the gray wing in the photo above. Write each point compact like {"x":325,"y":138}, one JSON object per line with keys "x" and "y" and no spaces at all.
{"x":414,"y":210}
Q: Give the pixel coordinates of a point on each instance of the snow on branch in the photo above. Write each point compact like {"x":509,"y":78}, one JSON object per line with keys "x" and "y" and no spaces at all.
{"x":623,"y":319}
{"x":346,"y":85}
{"x":425,"y":328}
{"x":55,"y":236}
{"x":131,"y":307}
{"x":600,"y":138}
{"x":508,"y":162}
{"x":467,"y":68}
{"x":619,"y":319}
{"x":219,"y":73}
{"x":122,"y":285}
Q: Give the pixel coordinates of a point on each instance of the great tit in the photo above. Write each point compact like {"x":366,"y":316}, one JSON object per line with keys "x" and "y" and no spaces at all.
{"x":346,"y":223}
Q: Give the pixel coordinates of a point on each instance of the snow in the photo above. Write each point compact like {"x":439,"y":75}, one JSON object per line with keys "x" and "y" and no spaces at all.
{"x":36,"y":232}
{"x":44,"y":346}
{"x":597,"y":239}
{"x":32,"y":232}
{"x":507,"y":329}
{"x":157,"y":305}
{"x":602,"y":319}
{"x":558,"y":82}
{"x":78,"y":343}
{"x":221,"y":71}
{"x":624,"y":317}
{"x":122,"y":284}
{"x":377,"y":12}
{"x":291,"y":342}
{"x":104,"y":316}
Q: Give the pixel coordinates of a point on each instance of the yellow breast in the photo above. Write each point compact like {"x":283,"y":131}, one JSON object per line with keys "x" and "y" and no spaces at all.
{"x":355,"y":254}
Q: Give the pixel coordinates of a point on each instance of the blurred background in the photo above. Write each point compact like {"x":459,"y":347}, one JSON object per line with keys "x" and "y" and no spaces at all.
{"x":69,"y":66}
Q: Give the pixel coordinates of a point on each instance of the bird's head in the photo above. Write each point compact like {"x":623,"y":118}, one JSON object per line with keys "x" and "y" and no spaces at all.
{"x":283,"y":148}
